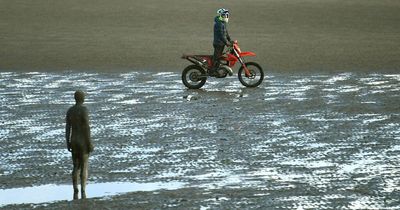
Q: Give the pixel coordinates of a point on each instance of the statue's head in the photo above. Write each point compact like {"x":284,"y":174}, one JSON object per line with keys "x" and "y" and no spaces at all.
{"x":79,"y":96}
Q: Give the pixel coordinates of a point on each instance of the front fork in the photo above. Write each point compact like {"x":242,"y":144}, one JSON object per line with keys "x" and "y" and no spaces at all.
{"x":246,"y":70}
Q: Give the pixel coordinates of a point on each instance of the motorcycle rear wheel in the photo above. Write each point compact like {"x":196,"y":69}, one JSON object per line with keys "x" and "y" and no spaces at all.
{"x":256,"y":75}
{"x":193,"y":77}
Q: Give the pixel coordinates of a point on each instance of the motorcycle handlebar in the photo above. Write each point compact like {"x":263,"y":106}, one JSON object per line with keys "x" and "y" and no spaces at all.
{"x":230,"y":47}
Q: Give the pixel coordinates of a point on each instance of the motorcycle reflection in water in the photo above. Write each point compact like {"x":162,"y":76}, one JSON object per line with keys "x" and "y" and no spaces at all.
{"x":195,"y":76}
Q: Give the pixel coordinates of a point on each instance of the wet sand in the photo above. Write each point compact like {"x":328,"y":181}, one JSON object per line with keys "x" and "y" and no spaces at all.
{"x":301,"y":140}
{"x":332,"y":35}
{"x":311,"y":141}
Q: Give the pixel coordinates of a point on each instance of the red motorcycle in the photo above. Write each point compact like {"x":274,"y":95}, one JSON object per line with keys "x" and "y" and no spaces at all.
{"x":250,"y":73}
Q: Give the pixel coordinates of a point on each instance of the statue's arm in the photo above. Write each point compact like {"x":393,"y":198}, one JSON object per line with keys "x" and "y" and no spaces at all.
{"x":68,"y":131}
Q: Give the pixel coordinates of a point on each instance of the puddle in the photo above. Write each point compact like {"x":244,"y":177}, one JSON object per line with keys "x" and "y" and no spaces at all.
{"x":51,"y":193}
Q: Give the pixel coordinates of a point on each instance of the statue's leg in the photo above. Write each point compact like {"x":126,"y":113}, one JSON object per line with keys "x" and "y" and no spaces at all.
{"x":75,"y":172}
{"x":84,"y":174}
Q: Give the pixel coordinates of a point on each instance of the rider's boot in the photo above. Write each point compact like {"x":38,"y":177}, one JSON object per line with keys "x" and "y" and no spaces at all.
{"x":213,"y":71}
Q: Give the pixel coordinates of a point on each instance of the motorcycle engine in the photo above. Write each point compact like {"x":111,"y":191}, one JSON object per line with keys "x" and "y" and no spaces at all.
{"x":223,"y":71}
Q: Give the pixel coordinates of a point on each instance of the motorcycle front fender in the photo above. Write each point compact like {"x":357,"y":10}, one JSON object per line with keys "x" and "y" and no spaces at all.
{"x":244,"y":54}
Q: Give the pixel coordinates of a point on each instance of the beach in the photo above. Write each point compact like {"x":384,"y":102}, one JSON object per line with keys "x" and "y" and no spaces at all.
{"x":320,"y":131}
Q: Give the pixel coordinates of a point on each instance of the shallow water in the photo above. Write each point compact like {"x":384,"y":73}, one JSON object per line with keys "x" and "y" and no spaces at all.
{"x":52,"y":193}
{"x":308,"y":141}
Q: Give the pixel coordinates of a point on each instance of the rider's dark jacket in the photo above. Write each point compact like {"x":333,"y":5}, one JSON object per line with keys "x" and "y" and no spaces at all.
{"x":221,"y":35}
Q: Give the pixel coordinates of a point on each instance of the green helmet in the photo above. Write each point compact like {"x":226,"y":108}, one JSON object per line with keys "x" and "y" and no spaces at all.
{"x":223,"y":14}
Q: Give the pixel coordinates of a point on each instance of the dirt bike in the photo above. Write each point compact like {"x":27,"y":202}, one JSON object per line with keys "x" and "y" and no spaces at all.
{"x":195,"y":76}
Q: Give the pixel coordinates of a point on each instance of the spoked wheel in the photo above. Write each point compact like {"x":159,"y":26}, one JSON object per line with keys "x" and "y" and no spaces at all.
{"x":194,"y":77}
{"x":256,"y":75}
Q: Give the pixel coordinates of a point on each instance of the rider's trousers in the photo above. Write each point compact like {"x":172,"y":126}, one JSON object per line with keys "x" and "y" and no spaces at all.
{"x":218,"y":50}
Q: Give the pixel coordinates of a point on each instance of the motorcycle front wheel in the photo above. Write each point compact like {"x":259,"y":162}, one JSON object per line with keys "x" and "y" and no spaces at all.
{"x":256,"y":75}
{"x":194,"y":77}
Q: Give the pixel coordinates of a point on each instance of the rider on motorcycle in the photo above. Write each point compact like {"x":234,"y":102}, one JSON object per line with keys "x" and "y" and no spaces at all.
{"x":221,"y":37}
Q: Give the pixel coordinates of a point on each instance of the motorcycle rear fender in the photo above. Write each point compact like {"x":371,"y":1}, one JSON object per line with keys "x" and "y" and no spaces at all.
{"x":244,"y":54}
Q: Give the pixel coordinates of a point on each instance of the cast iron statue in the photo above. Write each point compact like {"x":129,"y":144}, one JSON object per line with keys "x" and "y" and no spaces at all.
{"x":79,"y":142}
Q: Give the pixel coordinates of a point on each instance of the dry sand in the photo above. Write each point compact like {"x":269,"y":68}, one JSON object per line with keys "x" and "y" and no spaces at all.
{"x":100,"y":35}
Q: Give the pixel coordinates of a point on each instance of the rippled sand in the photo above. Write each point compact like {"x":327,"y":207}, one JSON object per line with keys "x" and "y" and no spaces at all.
{"x":311,"y":141}
{"x":312,"y":35}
